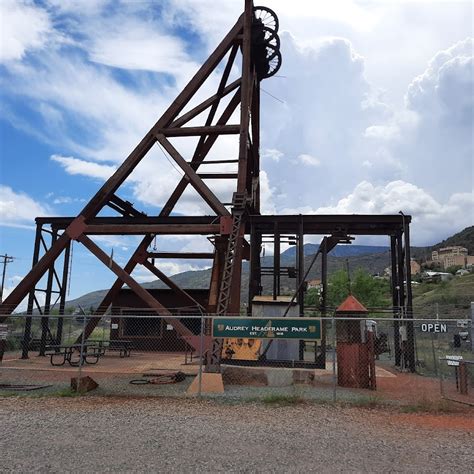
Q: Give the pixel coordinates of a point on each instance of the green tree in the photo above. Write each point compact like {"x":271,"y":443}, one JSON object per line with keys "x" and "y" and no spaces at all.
{"x":453,"y":269}
{"x":370,"y":291}
{"x":312,"y":297}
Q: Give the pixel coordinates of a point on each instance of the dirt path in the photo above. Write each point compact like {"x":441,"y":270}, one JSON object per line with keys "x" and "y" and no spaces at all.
{"x":162,"y":435}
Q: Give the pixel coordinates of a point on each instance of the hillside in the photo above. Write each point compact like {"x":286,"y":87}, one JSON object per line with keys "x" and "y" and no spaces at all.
{"x":465,"y":238}
{"x":459,"y":291}
{"x":338,"y":251}
{"x":373,"y":259}
{"x":373,"y":263}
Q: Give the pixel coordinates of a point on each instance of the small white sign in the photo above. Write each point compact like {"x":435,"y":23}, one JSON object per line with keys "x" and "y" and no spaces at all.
{"x":169,"y":327}
{"x":114,"y":326}
{"x":453,"y":360}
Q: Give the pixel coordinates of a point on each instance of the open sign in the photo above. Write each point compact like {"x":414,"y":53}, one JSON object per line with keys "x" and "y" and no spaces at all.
{"x":434,"y":327}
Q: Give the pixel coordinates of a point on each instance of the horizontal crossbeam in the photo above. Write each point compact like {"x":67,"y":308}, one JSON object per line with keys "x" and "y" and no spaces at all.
{"x":192,"y":131}
{"x":137,"y":229}
{"x":218,"y":175}
{"x":185,"y":255}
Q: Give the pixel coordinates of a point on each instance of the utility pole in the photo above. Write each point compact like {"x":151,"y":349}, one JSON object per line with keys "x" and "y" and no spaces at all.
{"x":6,"y":260}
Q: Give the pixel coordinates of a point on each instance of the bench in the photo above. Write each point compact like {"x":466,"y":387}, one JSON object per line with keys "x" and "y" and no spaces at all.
{"x":123,"y":347}
{"x":91,"y":354}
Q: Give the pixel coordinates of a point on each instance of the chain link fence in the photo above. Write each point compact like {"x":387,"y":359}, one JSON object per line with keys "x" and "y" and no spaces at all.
{"x":382,"y":355}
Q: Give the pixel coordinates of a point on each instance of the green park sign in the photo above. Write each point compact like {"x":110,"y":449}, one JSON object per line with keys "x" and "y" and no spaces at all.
{"x":270,"y":328}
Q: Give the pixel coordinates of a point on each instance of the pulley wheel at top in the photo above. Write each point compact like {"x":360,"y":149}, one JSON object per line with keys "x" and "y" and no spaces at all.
{"x":267,"y":17}
{"x":274,"y":65}
{"x":270,"y":38}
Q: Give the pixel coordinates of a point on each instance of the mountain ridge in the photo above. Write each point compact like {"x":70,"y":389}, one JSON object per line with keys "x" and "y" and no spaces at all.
{"x":358,"y":256}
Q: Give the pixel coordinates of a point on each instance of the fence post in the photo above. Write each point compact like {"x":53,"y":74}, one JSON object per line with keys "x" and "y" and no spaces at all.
{"x":472,"y":326}
{"x":81,"y":355}
{"x":435,"y":362}
{"x":334,"y":378}
{"x":201,"y":348}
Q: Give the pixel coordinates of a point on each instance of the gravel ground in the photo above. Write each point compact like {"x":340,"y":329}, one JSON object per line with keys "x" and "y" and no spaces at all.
{"x":96,"y":434}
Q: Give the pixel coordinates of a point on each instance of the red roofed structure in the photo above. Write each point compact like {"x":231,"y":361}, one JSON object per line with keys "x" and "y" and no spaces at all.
{"x":351,"y":305}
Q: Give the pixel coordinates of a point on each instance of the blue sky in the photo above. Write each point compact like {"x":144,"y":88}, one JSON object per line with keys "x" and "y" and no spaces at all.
{"x":374,"y":113}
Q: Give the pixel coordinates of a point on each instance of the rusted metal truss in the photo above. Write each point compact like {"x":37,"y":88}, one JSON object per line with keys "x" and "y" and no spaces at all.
{"x":254,"y":45}
{"x":255,"y":41}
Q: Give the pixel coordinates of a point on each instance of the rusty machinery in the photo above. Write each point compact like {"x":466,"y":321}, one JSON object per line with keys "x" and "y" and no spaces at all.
{"x":254,"y":39}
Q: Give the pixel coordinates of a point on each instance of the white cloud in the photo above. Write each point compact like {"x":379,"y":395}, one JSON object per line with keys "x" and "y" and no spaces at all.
{"x":272,"y":154}
{"x":308,"y":160}
{"x":267,"y":198}
{"x":17,"y":209}
{"x":386,"y":132}
{"x":445,"y":88}
{"x":432,"y":219}
{"x":118,"y":242}
{"x":330,"y":108}
{"x":84,"y":168}
{"x":168,"y":267}
{"x":25,"y":27}
{"x":64,"y":199}
{"x":328,"y":105}
{"x":138,"y":45}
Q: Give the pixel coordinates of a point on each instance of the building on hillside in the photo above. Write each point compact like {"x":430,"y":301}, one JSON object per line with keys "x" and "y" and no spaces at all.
{"x":435,"y":277}
{"x":316,"y":283}
{"x":452,"y":256}
{"x":415,"y":267}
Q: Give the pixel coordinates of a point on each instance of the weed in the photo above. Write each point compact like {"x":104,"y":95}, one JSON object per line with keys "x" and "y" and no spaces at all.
{"x":66,"y":392}
{"x":372,"y":401}
{"x":429,"y":406}
{"x":282,"y":400}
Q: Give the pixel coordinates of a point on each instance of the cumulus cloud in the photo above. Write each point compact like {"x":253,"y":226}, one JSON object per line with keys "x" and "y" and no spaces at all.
{"x":328,"y":106}
{"x":439,"y":145}
{"x":332,"y":118}
{"x":432,"y":219}
{"x":25,"y":27}
{"x":84,"y":168}
{"x":445,"y":88}
{"x":17,"y":209}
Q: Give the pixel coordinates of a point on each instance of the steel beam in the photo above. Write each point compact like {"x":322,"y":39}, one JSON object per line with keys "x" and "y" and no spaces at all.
{"x":199,"y":157}
{"x":409,"y":299}
{"x":185,"y":118}
{"x":159,"y":229}
{"x":213,"y":202}
{"x":141,"y":292}
{"x":186,"y":255}
{"x":395,"y":298}
{"x":31,"y":298}
{"x":193,"y":131}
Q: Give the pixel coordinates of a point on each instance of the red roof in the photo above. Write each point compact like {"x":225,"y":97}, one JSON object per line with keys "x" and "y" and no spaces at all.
{"x":351,"y":305}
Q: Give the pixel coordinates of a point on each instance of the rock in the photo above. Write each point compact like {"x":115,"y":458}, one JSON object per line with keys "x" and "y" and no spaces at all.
{"x":86,"y":384}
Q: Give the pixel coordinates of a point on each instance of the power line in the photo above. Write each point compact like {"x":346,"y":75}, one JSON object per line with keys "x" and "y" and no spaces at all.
{"x":6,"y":260}
{"x":169,"y":161}
{"x":271,"y":95}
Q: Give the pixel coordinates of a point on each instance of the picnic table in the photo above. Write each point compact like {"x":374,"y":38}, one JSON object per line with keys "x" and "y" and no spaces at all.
{"x":121,"y":346}
{"x":88,"y":353}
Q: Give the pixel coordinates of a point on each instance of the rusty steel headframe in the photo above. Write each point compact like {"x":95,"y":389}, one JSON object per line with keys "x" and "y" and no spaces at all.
{"x":254,"y":39}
